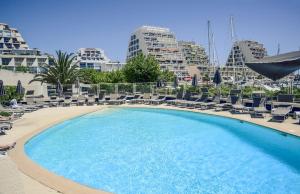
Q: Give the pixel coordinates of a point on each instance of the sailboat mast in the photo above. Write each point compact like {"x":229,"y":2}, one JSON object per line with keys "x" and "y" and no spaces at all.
{"x":209,"y":42}
{"x":232,"y":49}
{"x":213,"y":52}
{"x":278,"y":49}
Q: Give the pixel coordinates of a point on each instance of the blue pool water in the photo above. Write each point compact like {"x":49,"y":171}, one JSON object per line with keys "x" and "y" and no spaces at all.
{"x":135,"y":150}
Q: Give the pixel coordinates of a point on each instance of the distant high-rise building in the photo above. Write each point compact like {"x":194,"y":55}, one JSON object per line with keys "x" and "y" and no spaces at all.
{"x":241,"y":52}
{"x":14,"y":51}
{"x":160,"y":43}
{"x":94,"y":58}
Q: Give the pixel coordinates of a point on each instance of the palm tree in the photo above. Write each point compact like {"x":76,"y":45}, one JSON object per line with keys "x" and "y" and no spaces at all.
{"x":62,"y":71}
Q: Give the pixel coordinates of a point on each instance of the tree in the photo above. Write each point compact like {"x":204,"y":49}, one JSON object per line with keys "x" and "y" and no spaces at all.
{"x":167,"y":76}
{"x":63,"y":70}
{"x":91,"y":76}
{"x":142,"y":69}
{"x":206,"y":78}
{"x":115,"y":76}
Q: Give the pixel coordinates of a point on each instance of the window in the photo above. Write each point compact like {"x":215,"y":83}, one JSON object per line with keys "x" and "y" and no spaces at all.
{"x":6,"y":61}
{"x":82,"y":65}
{"x":6,"y":39}
{"x":8,"y":45}
{"x":90,"y":65}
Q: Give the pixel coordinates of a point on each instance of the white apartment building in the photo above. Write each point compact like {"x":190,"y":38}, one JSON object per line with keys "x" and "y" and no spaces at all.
{"x":15,"y":53}
{"x":160,"y":43}
{"x":94,"y":58}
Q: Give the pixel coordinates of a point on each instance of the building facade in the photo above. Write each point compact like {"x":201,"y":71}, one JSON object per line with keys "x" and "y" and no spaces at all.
{"x":241,"y":52}
{"x":15,"y":53}
{"x":160,"y":43}
{"x":193,"y":54}
{"x":94,"y":58}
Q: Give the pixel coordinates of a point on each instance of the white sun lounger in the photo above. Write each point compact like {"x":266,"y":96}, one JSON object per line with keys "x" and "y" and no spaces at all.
{"x":280,"y":113}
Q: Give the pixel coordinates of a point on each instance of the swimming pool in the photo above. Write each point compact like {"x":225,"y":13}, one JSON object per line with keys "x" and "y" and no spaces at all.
{"x":143,"y":150}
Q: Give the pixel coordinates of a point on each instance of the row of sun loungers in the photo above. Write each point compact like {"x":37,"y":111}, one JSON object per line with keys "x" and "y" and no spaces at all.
{"x":233,"y":103}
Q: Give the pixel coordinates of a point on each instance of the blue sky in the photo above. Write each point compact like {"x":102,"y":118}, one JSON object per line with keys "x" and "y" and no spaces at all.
{"x":68,"y":25}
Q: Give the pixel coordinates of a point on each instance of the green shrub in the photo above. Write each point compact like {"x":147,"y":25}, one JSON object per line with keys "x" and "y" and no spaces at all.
{"x":10,"y":93}
{"x":5,"y":114}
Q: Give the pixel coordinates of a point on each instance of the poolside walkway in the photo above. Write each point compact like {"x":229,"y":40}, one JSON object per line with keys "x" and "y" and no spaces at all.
{"x":13,"y":180}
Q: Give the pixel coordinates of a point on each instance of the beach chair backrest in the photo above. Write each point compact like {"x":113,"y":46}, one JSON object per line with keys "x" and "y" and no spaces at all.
{"x":113,"y":96}
{"x":187,"y":95}
{"x":256,"y":94}
{"x":91,"y":98}
{"x":235,"y":92}
{"x":203,"y":97}
{"x":258,"y":101}
{"x":81,"y":97}
{"x":30,"y":101}
{"x":179,"y":94}
{"x":121,"y":97}
{"x":234,"y":99}
{"x":217,"y":98}
{"x":136,"y":96}
{"x":204,"y":90}
{"x":147,"y":96}
{"x":285,"y":98}
{"x":101,"y":95}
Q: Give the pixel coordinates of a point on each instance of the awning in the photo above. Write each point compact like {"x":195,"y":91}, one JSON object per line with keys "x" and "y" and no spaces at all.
{"x":276,"y":67}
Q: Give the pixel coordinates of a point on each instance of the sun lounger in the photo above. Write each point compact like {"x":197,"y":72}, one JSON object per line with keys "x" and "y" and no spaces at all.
{"x":14,"y":112}
{"x":158,"y":100}
{"x":228,"y":105}
{"x":101,"y":98}
{"x":7,"y":146}
{"x":90,"y":100}
{"x":73,"y":100}
{"x":146,"y":98}
{"x":240,"y":109}
{"x":258,"y":107}
{"x":297,"y":115}
{"x":116,"y":100}
{"x":2,"y":131}
{"x":198,"y":102}
{"x":182,"y":101}
{"x":138,"y":99}
{"x":232,"y":99}
{"x":134,"y":99}
{"x":67,"y":101}
{"x":6,"y":125}
{"x":81,"y":100}
{"x":281,"y":113}
{"x":210,"y":105}
{"x":54,"y":102}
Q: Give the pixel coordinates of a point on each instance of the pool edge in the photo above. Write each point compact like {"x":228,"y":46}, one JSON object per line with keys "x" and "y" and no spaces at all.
{"x":42,"y":175}
{"x":64,"y":185}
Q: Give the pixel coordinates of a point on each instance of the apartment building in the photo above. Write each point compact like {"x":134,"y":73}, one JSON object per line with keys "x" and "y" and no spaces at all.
{"x":193,"y":54}
{"x":95,"y":58}
{"x":160,"y":43}
{"x":15,"y":52}
{"x":241,"y":52}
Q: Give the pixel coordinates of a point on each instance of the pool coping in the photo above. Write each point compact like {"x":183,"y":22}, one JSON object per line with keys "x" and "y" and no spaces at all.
{"x":253,"y":122}
{"x":64,"y":185}
{"x":42,"y":175}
